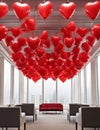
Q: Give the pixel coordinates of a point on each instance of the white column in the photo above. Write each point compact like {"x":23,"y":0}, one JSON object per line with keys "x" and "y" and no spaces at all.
{"x":1,"y":80}
{"x":75,"y":89}
{"x":12,"y":85}
{"x":21,"y":87}
{"x":79,"y":87}
{"x":93,"y":83}
{"x":42,"y":90}
{"x":56,"y":90}
{"x":72,"y":90}
{"x":85,"y":86}
{"x":27,"y":90}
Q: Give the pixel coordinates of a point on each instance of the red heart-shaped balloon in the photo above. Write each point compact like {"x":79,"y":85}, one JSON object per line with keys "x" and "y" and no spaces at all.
{"x":44,"y":35}
{"x":30,"y":23}
{"x":91,"y":39}
{"x":92,"y":9}
{"x":71,"y":26}
{"x":63,"y":77}
{"x":16,"y":31}
{"x":84,"y":56}
{"x":3,"y":31}
{"x":64,"y":55}
{"x":55,"y":40}
{"x":82,"y":31}
{"x":95,"y":30}
{"x":66,"y":32}
{"x":78,"y":64}
{"x":86,"y":47}
{"x":76,"y":50}
{"x":21,"y":41}
{"x":21,"y":10}
{"x":33,"y":42}
{"x":28,"y":51}
{"x":15,"y":47}
{"x":59,"y":48}
{"x":16,"y":56}
{"x":45,"y":9}
{"x":36,"y":76}
{"x":40,"y":51}
{"x":9,"y":40}
{"x":45,"y":43}
{"x":3,"y":9}
{"x":67,"y":9}
{"x":78,"y":40}
{"x":69,"y":41}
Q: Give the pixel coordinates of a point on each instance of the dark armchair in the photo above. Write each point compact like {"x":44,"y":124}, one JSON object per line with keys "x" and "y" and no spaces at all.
{"x":29,"y":109}
{"x":73,"y":109}
{"x":12,"y":117}
{"x":88,"y":117}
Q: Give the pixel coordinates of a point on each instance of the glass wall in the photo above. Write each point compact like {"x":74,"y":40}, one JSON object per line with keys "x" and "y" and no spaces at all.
{"x":75,"y":90}
{"x":35,"y":92}
{"x":7,"y":82}
{"x":50,"y":90}
{"x":64,"y":91}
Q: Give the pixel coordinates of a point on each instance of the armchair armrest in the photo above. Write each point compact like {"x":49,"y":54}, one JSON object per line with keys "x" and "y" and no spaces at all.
{"x":22,"y":118}
{"x":78,"y":118}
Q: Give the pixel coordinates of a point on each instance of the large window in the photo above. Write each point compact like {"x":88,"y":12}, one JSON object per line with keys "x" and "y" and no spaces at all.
{"x":6,"y":82}
{"x":16,"y":86}
{"x":35,"y":92}
{"x":64,"y":92}
{"x":75,"y":87}
{"x":50,"y":90}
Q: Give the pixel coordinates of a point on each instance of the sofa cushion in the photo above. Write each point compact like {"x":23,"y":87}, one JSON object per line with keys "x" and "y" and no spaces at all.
{"x":51,"y":107}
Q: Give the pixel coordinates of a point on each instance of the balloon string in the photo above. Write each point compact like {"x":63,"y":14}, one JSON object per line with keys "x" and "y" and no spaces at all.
{"x":92,"y":23}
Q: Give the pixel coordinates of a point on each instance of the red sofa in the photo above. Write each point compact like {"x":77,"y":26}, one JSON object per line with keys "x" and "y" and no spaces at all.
{"x":51,"y":107}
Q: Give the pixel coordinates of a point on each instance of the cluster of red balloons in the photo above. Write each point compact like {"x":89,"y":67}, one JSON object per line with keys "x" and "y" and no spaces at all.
{"x":21,"y":10}
{"x":50,"y":57}
{"x":60,"y":56}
